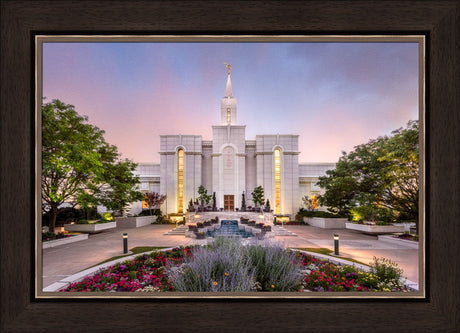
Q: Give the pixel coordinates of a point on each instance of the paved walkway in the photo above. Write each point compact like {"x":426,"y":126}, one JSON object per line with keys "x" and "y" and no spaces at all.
{"x":66,"y":260}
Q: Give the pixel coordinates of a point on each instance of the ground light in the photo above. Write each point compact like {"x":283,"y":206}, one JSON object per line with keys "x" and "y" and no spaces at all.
{"x":125,"y":242}
{"x":336,"y":244}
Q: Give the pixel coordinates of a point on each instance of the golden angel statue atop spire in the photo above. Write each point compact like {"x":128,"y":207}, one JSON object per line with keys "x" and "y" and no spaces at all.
{"x":228,"y":67}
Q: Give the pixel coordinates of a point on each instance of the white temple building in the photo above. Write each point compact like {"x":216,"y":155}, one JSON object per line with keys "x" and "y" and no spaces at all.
{"x":229,"y":164}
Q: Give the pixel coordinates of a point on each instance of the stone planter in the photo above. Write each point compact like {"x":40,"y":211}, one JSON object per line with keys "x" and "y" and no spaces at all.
{"x":409,"y":243}
{"x":192,"y":228}
{"x":200,"y":236}
{"x":62,"y":241}
{"x":326,"y":223}
{"x":90,"y":228}
{"x":374,"y":229}
{"x":407,"y":225}
{"x":134,"y":221}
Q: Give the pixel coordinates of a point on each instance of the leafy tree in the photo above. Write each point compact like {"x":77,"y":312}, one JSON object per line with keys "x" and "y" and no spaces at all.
{"x":383,"y":172}
{"x":78,"y":166}
{"x":203,"y":196}
{"x":258,"y":196}
{"x":154,"y":200}
{"x":119,"y":186}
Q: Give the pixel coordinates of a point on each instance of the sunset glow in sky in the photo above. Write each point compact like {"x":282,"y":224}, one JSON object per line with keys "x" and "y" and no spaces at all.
{"x":334,"y":95}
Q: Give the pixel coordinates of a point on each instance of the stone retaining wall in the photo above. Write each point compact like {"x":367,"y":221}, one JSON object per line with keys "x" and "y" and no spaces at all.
{"x":134,"y":221}
{"x":326,"y":223}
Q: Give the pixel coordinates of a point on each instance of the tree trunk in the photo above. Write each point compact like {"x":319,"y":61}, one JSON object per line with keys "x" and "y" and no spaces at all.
{"x":53,"y":217}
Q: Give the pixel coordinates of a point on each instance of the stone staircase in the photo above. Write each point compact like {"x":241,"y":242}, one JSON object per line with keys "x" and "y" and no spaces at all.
{"x":179,"y":231}
{"x":280,"y":231}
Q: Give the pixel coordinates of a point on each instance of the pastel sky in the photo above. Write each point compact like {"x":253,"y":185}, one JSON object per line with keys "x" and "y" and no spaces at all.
{"x":334,"y":95}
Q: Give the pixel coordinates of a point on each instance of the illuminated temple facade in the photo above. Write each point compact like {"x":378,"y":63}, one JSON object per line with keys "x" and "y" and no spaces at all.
{"x":230,"y":165}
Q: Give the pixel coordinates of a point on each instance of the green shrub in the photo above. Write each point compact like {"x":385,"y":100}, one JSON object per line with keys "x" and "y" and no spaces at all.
{"x":144,"y":212}
{"x":368,"y":280}
{"x":372,"y":213}
{"x":83,"y":221}
{"x":107,"y":217}
{"x":48,"y":234}
{"x":388,"y":273}
{"x":103,"y":221}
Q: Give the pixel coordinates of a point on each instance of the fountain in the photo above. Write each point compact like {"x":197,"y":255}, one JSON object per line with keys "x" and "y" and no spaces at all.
{"x":229,"y":228}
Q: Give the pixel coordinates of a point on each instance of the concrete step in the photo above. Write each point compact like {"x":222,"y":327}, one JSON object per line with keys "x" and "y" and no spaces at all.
{"x":180,"y":230}
{"x":280,"y":231}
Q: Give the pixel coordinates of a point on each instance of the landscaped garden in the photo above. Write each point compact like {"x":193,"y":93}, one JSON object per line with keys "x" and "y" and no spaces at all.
{"x":228,"y":265}
{"x":407,"y":236}
{"x":48,"y":236}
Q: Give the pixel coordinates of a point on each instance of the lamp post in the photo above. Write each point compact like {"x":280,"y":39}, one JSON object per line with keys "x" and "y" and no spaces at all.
{"x":125,"y":243}
{"x":336,"y":244}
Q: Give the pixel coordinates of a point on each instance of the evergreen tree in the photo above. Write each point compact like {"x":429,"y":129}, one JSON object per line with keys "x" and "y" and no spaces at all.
{"x":258,"y":196}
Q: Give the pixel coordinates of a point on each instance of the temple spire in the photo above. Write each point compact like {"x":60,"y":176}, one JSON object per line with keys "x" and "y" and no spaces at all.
{"x":228,"y":88}
{"x":228,"y":102}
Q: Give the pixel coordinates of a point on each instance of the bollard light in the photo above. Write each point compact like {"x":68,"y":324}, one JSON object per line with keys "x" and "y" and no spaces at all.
{"x":336,"y":244}
{"x":274,"y":220}
{"x":125,"y":243}
{"x":183,"y":220}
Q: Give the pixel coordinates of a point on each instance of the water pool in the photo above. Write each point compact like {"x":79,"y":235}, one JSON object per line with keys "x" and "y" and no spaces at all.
{"x":229,"y":228}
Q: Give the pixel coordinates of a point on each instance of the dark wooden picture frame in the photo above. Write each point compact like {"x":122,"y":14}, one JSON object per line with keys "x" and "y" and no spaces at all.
{"x":20,"y":312}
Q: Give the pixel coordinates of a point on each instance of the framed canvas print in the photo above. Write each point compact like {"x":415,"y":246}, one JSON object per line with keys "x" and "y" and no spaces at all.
{"x":268,"y":105}
{"x":314,"y":189}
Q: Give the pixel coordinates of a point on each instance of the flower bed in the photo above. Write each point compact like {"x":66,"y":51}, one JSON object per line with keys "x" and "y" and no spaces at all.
{"x":49,"y":236}
{"x":144,"y":273}
{"x":407,"y":236}
{"x":226,"y":265}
